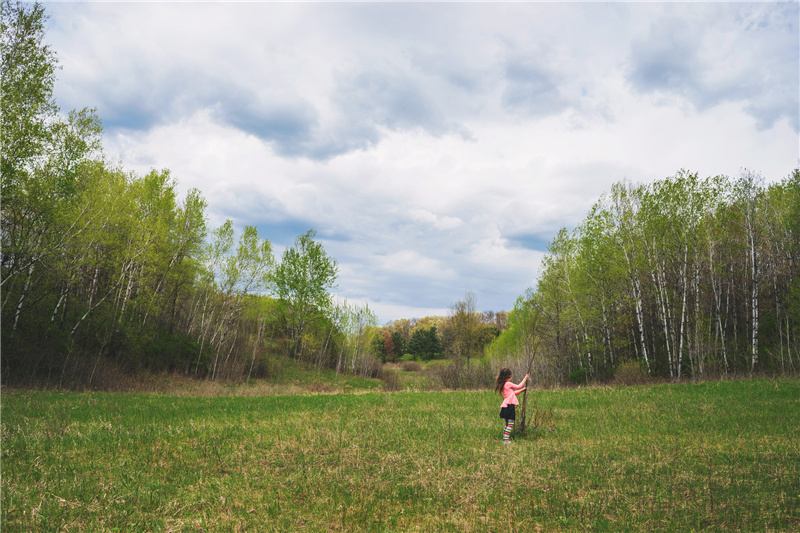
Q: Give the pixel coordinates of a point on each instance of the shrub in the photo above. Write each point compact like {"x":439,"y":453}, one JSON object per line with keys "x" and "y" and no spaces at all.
{"x":578,"y":377}
{"x":366,"y":365}
{"x":456,"y":375}
{"x":538,"y":419}
{"x":631,"y":373}
{"x":410,"y":366}
{"x":390,"y":379}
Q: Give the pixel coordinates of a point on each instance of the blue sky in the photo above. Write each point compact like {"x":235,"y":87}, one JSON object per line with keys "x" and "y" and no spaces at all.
{"x":435,"y":147}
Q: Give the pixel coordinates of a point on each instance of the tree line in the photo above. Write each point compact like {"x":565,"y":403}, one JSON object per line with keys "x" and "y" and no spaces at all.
{"x":106,"y":269}
{"x":683,"y":277}
{"x":460,"y":336}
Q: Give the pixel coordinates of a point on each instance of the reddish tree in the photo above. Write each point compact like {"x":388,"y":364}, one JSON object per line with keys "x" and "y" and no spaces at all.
{"x":388,"y":346}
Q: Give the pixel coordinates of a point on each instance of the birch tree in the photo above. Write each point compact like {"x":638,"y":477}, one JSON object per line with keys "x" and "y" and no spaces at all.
{"x":748,"y":195}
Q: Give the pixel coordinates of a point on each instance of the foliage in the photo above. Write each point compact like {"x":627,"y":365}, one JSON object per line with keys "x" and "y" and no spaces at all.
{"x":578,"y":376}
{"x":302,"y":282}
{"x":424,"y":343}
{"x":411,"y":366}
{"x":631,"y":373}
{"x":688,"y":277}
{"x":28,"y":75}
{"x":356,"y":332}
{"x":390,"y":379}
{"x":399,"y":342}
{"x":460,"y":333}
{"x":456,"y":375}
{"x":105,"y":268}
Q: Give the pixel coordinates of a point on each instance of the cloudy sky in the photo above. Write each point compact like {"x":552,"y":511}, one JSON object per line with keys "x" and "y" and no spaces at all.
{"x":435,"y":147}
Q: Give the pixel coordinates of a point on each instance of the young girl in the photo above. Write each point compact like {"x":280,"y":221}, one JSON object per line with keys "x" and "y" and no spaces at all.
{"x":509,"y":391}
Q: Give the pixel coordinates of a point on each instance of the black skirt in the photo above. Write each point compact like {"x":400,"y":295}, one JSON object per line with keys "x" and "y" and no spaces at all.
{"x":508,"y":412}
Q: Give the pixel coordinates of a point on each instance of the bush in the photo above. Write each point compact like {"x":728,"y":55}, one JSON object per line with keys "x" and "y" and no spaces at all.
{"x":631,"y":373}
{"x":410,"y":366}
{"x":537,"y":419}
{"x":367,"y":366}
{"x":458,"y":376}
{"x":578,"y":377}
{"x":390,"y":379}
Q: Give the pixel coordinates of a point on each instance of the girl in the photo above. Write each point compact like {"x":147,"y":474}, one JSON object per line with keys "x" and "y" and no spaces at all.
{"x":509,"y":391}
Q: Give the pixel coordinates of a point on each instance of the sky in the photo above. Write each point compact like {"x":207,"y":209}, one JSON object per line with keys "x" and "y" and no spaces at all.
{"x":435,"y":148}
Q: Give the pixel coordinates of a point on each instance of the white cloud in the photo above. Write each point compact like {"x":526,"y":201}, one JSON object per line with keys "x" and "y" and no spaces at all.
{"x":438,"y":222}
{"x":713,"y":54}
{"x":411,"y":262}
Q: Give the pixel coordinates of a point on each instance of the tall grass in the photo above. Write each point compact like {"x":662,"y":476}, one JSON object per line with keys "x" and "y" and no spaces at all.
{"x":715,"y":456}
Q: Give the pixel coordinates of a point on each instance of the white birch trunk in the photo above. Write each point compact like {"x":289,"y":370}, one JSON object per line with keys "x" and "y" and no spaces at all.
{"x":754,"y":290}
{"x":261,"y":325}
{"x":662,"y":311}
{"x":679,"y":359}
{"x":637,"y":294}
{"x":22,"y":296}
{"x":61,"y":299}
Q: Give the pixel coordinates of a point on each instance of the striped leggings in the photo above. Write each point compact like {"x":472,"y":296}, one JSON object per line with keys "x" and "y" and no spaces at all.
{"x":507,"y":430}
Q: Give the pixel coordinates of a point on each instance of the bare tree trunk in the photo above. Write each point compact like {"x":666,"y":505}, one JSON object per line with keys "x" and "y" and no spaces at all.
{"x":125,"y":298}
{"x":640,"y":321}
{"x":230,"y":351}
{"x":700,"y":357}
{"x":789,"y":345}
{"x":662,"y":309}
{"x":62,"y":296}
{"x":778,"y":318}
{"x":716,"y":286}
{"x":683,"y":311}
{"x":754,"y":294}
{"x":256,"y":345}
{"x":22,"y":296}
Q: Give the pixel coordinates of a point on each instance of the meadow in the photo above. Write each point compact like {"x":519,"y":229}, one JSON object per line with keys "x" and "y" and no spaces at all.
{"x":715,"y":456}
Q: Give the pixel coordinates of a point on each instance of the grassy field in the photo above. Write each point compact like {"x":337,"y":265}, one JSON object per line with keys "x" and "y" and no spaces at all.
{"x":719,"y":456}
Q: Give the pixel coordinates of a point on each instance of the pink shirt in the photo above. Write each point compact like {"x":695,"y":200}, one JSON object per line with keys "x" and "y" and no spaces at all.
{"x":509,"y":398}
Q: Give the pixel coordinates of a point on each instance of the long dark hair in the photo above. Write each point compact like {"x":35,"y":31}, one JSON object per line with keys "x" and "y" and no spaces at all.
{"x":502,"y":377}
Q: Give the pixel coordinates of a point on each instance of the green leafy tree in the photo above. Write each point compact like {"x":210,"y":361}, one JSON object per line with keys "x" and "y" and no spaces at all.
{"x":379,"y":347}
{"x":399,"y":342}
{"x":462,"y":330}
{"x":28,"y":75}
{"x":302,"y":281}
{"x":424,"y":343}
{"x":389,"y":347}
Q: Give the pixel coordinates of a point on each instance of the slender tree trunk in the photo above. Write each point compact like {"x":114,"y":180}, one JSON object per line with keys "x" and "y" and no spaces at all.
{"x":9,"y":291}
{"x":22,"y":297}
{"x":754,"y":292}
{"x":662,"y":310}
{"x":62,"y":296}
{"x":640,"y":321}
{"x":226,"y":363}
{"x":789,"y":345}
{"x":778,"y":318}
{"x":716,"y":286}
{"x":683,"y":312}
{"x":128,"y":288}
{"x":256,"y":346}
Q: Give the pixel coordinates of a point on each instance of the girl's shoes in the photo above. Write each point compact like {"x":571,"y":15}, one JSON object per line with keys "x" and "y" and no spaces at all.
{"x":508,"y":442}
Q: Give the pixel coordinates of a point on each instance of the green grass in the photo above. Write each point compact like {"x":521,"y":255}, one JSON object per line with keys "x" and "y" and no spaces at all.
{"x":719,"y":456}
